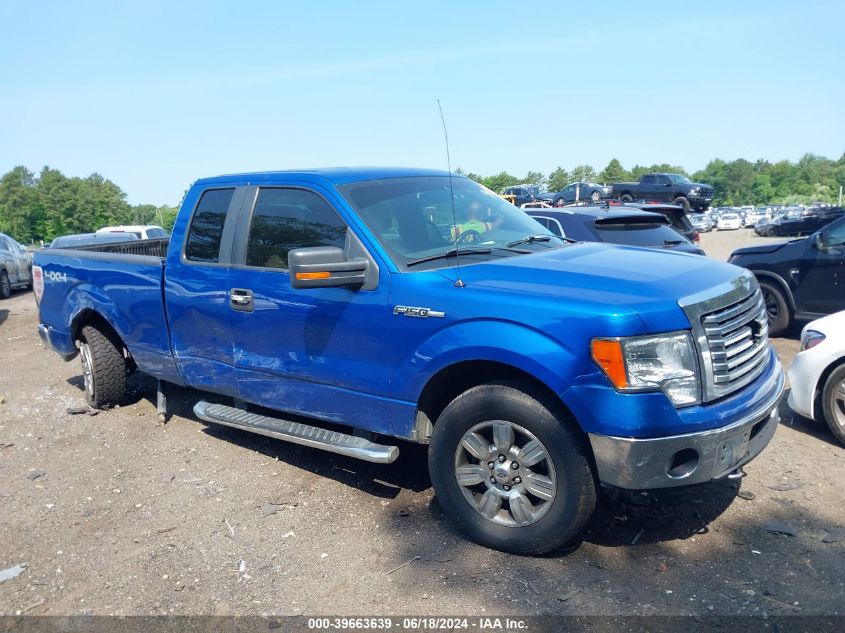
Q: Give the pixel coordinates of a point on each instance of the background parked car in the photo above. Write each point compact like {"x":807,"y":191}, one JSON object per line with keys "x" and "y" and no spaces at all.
{"x":800,"y":279}
{"x":521,"y":194}
{"x":729,"y":222}
{"x":616,"y":225}
{"x":91,"y":239}
{"x":800,"y":221}
{"x":142,"y":231}
{"x":701,"y":222}
{"x":817,"y":374}
{"x":585,"y":191}
{"x":15,"y":266}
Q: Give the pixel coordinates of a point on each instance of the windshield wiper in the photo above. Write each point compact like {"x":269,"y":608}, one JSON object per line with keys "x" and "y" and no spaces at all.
{"x":531,"y":239}
{"x":454,"y":252}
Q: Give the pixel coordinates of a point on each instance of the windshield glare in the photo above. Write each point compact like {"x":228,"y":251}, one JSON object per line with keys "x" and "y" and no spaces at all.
{"x":678,"y":179}
{"x":416,"y":217}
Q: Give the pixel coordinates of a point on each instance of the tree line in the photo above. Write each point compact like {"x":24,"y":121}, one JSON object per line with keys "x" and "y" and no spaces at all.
{"x":42,"y":206}
{"x":740,"y":182}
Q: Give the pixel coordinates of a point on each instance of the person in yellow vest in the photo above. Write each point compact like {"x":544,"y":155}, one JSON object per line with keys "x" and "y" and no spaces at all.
{"x":477,"y":222}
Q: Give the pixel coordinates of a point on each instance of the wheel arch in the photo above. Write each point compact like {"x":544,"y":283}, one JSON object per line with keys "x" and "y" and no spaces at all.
{"x":818,"y":390}
{"x":454,"y":379}
{"x":90,"y":317}
{"x":766,"y":275}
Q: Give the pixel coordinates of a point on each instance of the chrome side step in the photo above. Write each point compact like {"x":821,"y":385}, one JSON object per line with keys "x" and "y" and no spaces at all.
{"x":297,"y":433}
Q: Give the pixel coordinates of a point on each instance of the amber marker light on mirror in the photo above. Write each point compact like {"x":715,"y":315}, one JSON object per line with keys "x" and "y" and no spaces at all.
{"x":320,"y":275}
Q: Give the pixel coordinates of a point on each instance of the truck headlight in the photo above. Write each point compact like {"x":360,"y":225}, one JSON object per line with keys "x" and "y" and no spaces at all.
{"x":648,"y":363}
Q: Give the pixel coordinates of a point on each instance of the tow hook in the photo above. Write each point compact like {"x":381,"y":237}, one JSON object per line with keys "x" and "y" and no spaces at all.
{"x":737,"y":474}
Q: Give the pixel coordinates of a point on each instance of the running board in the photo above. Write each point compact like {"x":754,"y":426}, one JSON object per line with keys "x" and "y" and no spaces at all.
{"x":297,"y":433}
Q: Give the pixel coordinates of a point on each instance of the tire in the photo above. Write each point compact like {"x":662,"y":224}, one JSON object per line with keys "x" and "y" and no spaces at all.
{"x":777,"y":309}
{"x":626,"y":197}
{"x":681,"y":201}
{"x":5,"y":285}
{"x":833,"y":403}
{"x":560,"y":202}
{"x":595,"y":197}
{"x":559,"y":487}
{"x":103,"y":368}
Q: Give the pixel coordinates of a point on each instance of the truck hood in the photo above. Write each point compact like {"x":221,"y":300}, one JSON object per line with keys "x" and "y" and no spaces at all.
{"x":610,"y":278}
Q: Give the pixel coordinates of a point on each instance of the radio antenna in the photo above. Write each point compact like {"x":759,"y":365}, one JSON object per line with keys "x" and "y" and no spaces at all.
{"x":458,"y":282}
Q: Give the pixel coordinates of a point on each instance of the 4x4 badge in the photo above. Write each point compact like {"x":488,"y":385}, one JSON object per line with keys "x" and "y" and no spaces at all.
{"x":413,"y":311}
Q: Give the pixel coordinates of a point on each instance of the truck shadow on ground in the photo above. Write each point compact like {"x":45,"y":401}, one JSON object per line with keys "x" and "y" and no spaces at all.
{"x":4,"y":314}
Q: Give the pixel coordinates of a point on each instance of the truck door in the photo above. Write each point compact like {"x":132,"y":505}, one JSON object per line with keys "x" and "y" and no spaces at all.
{"x":321,"y":352}
{"x":647,"y":187}
{"x":662,"y":189}
{"x":197,"y":290}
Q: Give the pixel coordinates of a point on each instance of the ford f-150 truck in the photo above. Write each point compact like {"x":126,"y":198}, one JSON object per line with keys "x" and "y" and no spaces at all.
{"x":672,"y":188}
{"x":365,"y":305}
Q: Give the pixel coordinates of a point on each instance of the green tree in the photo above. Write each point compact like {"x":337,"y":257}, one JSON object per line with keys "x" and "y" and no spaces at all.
{"x":17,"y":203}
{"x":558,"y":179}
{"x":500,"y":181}
{"x":584,"y":172}
{"x":614,"y":172}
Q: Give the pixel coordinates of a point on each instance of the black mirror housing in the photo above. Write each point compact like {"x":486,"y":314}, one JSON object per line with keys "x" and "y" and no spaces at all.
{"x":325,"y":267}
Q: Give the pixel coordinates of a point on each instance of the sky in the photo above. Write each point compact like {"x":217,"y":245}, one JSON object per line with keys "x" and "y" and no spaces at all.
{"x":156,"y":94}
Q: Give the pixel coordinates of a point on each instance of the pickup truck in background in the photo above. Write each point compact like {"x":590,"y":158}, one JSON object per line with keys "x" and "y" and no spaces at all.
{"x":672,"y":188}
{"x":534,"y":368}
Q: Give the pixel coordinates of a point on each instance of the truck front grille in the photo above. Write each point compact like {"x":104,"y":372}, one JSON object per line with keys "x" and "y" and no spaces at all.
{"x":731,"y":332}
{"x":738,"y":339}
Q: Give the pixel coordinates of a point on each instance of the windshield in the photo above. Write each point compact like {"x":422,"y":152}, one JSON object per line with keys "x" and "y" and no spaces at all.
{"x":678,"y":179}
{"x":640,"y":234}
{"x":413,"y":218}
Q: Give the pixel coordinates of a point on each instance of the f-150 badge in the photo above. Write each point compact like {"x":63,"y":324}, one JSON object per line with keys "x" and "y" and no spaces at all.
{"x":413,"y":311}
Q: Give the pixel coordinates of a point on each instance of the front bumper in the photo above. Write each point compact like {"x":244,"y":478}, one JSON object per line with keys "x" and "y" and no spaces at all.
{"x":692,"y":458}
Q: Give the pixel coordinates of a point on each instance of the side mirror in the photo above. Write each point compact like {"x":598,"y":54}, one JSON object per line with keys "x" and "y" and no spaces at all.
{"x":818,"y":241}
{"x":667,"y":184}
{"x":325,"y":267}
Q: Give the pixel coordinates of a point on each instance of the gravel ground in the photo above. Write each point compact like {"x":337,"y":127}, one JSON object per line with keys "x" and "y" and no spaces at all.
{"x":114,"y":514}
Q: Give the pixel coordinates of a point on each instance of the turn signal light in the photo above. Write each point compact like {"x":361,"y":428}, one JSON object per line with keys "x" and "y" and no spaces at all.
{"x":320,"y":275}
{"x":608,"y":356}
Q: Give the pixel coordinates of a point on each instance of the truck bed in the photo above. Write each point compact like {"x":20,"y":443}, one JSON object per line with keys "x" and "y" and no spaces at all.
{"x":122,"y":281}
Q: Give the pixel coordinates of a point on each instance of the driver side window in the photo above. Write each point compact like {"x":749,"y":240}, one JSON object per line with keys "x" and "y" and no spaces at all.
{"x":835,"y":236}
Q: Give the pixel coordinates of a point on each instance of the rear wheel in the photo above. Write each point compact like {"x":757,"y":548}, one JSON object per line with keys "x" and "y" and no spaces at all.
{"x":681,"y":201}
{"x":103,"y":368}
{"x":511,"y":470}
{"x":5,"y":285}
{"x":777,"y":310}
{"x":833,"y":403}
{"x":626,"y":198}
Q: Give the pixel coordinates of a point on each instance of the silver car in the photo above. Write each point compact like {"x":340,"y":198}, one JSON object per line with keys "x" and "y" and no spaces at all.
{"x":15,"y":266}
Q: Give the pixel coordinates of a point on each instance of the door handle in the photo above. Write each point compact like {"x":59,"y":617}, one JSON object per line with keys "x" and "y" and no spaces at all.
{"x":241,"y":299}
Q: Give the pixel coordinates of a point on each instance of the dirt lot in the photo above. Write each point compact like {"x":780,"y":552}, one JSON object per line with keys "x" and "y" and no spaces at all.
{"x":114,"y":514}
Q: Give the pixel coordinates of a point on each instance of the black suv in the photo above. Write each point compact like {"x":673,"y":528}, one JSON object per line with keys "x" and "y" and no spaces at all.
{"x":799,"y":221}
{"x":676,"y":215}
{"x":615,"y":225}
{"x":800,"y":279}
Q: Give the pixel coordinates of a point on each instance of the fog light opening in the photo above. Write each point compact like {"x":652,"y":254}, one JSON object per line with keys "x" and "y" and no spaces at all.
{"x":683,"y":464}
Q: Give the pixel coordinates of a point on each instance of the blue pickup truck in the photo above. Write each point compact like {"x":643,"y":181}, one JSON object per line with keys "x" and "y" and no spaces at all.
{"x":365,"y":305}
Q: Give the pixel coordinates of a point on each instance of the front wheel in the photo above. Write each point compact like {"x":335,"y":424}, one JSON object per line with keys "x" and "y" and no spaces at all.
{"x":833,"y":402}
{"x":595,"y":197}
{"x":511,"y":469}
{"x":777,"y":311}
{"x":626,"y":198}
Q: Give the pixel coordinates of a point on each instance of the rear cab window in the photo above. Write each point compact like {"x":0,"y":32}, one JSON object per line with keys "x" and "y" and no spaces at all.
{"x":639,"y":234}
{"x":206,"y":231}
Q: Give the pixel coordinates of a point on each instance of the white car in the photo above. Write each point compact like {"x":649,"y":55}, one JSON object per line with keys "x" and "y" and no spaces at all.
{"x":817,"y":374}
{"x":729,"y":221}
{"x":143,"y":231}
